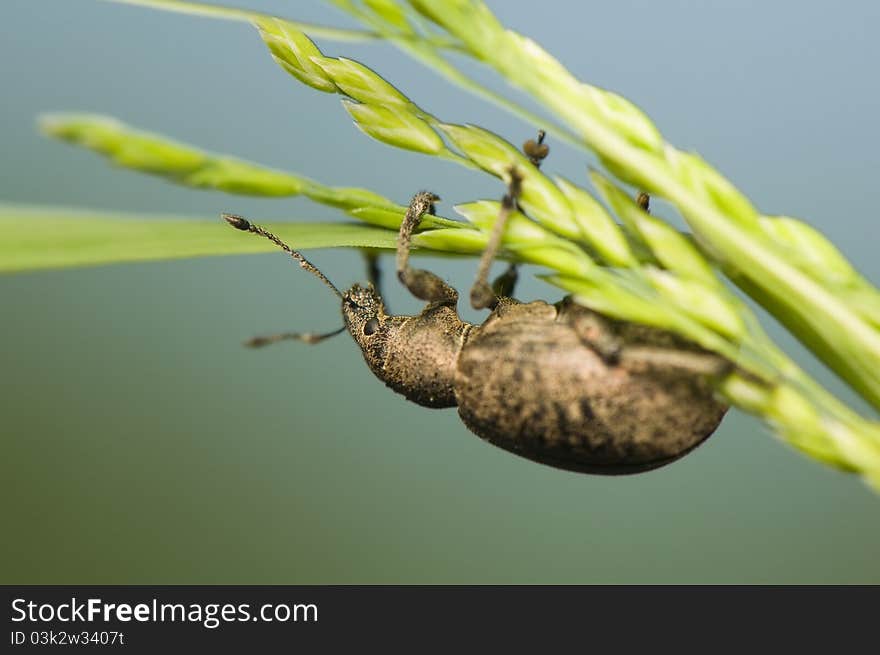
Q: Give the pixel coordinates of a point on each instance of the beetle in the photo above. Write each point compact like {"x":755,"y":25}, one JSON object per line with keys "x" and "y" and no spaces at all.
{"x":555,"y":383}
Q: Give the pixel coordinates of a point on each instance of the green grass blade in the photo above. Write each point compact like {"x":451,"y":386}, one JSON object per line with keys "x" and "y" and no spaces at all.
{"x":42,"y":238}
{"x":657,"y":277}
{"x":722,"y":219}
{"x":189,"y":166}
{"x":247,"y":16}
{"x":427,"y":50}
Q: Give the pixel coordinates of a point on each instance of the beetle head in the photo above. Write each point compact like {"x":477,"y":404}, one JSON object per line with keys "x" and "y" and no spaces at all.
{"x":367,"y":322}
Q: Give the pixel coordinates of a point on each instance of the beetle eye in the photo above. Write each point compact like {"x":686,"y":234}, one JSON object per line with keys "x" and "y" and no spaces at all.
{"x":371,"y":326}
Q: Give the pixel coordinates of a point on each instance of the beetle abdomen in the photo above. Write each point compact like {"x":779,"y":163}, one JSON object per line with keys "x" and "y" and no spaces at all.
{"x":534,"y":388}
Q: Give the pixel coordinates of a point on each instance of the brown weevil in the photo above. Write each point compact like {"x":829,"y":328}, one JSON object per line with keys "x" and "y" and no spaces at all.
{"x":558,"y":384}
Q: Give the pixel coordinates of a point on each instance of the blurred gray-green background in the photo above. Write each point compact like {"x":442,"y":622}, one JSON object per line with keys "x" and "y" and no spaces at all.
{"x":142,"y":444}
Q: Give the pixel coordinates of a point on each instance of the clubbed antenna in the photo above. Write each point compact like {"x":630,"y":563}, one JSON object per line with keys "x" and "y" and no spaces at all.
{"x":536,"y":150}
{"x":241,"y":223}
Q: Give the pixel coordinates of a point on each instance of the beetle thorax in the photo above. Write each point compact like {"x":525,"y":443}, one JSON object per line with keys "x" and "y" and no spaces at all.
{"x":414,"y":355}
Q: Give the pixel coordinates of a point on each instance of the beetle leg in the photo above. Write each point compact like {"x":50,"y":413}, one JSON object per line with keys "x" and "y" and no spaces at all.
{"x":596,"y":333}
{"x":593,"y":329}
{"x":374,"y":271}
{"x":652,"y":358}
{"x":504,"y":285}
{"x":482,"y":295}
{"x":422,"y":284}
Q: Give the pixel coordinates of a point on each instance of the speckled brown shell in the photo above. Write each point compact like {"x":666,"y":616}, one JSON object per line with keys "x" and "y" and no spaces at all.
{"x":526,"y":382}
{"x":431,"y":342}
